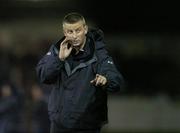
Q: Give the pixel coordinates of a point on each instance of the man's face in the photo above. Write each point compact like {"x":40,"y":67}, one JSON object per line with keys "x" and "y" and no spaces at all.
{"x":76,"y":33}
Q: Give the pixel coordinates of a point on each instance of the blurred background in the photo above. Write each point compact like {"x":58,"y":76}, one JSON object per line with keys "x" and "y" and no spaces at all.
{"x":143,"y":37}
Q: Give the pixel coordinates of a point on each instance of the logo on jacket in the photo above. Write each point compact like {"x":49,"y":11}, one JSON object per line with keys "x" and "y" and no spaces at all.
{"x":110,"y":62}
{"x":48,"y":53}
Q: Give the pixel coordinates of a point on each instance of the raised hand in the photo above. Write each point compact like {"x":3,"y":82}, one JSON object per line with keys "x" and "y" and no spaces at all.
{"x":99,"y":80}
{"x":64,"y":49}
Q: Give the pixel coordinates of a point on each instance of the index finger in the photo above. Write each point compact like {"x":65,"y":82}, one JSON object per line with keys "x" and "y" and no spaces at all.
{"x":67,"y":39}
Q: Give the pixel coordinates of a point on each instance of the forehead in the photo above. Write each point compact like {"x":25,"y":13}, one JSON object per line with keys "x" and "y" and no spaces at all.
{"x":67,"y":26}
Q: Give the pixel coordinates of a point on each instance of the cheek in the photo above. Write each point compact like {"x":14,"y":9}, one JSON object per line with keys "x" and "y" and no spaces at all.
{"x":82,"y":36}
{"x":68,"y":36}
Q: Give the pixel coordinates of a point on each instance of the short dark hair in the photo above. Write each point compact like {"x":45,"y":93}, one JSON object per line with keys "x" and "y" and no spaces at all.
{"x":73,"y":17}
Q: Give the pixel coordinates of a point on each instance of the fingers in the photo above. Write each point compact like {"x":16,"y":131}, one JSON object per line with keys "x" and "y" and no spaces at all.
{"x":94,"y":80}
{"x":66,"y":41}
{"x":65,"y":44}
{"x":99,"y":80}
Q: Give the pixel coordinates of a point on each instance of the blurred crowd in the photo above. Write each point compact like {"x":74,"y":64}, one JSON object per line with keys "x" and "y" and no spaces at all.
{"x":20,"y":113}
{"x":23,"y":101}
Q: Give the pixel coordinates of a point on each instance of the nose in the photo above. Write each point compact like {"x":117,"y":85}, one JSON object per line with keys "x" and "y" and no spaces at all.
{"x":74,"y":35}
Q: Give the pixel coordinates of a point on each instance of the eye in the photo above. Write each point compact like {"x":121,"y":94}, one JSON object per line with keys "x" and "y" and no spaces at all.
{"x":69,"y":31}
{"x":78,"y":30}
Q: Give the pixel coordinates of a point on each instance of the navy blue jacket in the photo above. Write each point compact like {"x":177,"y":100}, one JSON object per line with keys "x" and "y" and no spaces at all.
{"x":74,"y":102}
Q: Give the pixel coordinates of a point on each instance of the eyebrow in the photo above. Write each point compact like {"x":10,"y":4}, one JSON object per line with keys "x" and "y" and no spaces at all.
{"x":75,"y":28}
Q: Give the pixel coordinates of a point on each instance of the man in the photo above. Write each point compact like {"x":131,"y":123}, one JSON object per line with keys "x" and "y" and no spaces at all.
{"x":81,"y":72}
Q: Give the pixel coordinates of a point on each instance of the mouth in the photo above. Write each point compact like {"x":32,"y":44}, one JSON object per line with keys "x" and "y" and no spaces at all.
{"x":75,"y":42}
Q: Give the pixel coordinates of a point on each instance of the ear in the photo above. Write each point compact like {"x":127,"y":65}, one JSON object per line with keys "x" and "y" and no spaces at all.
{"x":86,"y":29}
{"x":64,"y":32}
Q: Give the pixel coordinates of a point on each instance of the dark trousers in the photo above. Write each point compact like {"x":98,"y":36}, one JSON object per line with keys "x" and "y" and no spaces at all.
{"x":59,"y":129}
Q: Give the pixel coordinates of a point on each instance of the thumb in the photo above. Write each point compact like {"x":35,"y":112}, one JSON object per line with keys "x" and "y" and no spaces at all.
{"x":92,"y":81}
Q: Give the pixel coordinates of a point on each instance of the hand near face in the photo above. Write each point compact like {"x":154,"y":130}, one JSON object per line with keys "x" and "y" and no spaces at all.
{"x":99,"y":80}
{"x":64,"y":49}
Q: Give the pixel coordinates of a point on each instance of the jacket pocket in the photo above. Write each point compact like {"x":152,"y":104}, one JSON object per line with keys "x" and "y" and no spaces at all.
{"x":71,"y":118}
{"x":68,"y":118}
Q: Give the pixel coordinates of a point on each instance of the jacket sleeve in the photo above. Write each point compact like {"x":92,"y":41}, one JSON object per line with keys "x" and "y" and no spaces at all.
{"x":49,"y":67}
{"x":107,"y":68}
